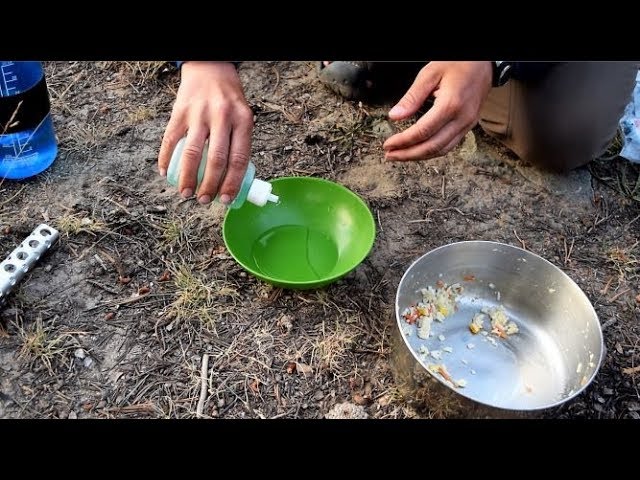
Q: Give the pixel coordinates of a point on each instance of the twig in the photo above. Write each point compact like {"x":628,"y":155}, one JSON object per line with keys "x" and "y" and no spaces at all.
{"x":117,"y":205}
{"x":7,"y":201}
{"x":102,"y":264}
{"x":275,"y":70}
{"x":628,"y":224}
{"x":567,"y":253}
{"x":103,"y":287}
{"x":618,"y":295}
{"x":443,"y":186}
{"x":524,"y":246}
{"x":119,"y":303}
{"x":606,"y":287}
{"x":433,"y":210}
{"x":13,"y":116}
{"x":140,"y":408}
{"x":379,"y":222}
{"x":203,"y":384}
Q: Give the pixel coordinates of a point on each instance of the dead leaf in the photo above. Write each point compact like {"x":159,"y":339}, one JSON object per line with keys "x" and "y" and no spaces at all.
{"x":124,"y":280}
{"x":304,"y":368}
{"x":631,"y":370}
{"x":109,"y":316}
{"x":143,"y":290}
{"x":619,"y":348}
{"x":165,"y":277}
{"x":6,"y":230}
{"x":360,"y":399}
{"x":87,"y":407}
{"x":384,"y":400}
{"x":291,"y":367}
{"x":255,"y":385}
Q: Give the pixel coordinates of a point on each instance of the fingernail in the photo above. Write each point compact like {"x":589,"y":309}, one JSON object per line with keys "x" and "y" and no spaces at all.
{"x":187,"y":192}
{"x":226,"y":199}
{"x":163,"y":172}
{"x":204,"y":199}
{"x":397,"y":110}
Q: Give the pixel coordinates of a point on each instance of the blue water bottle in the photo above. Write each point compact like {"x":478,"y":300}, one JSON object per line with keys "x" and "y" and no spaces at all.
{"x":28,"y":143}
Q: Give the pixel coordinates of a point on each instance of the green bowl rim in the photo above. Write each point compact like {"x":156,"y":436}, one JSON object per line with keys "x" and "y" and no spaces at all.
{"x":326,"y":280}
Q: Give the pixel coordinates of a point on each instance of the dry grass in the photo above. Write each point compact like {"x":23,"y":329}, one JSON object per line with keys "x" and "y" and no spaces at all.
{"x":141,"y":114}
{"x":84,"y":139}
{"x":332,"y":348}
{"x":624,"y":261}
{"x":41,"y":345}
{"x":198,"y":299}
{"x":618,"y":174}
{"x":74,"y":224}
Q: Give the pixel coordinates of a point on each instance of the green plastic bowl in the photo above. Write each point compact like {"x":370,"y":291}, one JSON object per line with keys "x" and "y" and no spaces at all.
{"x":316,"y":234}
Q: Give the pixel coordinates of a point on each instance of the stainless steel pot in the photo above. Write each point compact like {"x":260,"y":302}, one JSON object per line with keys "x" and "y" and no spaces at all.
{"x":552,"y":358}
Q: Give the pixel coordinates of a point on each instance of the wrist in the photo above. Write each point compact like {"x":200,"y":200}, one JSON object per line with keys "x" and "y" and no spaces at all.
{"x":213,"y":69}
{"x":180,"y":64}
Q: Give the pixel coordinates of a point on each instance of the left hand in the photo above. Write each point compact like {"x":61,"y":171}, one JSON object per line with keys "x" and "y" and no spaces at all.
{"x":459,"y":89}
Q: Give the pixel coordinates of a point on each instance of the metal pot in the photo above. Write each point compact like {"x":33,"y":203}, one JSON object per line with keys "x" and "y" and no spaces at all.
{"x":552,"y":358}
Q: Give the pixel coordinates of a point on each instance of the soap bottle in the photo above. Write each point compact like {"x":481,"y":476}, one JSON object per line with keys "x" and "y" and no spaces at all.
{"x":252,"y":190}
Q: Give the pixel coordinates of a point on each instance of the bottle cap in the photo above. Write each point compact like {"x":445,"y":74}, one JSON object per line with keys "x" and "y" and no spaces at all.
{"x":260,"y":193}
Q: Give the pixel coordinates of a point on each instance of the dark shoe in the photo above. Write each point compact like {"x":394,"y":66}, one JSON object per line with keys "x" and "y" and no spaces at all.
{"x":350,"y":80}
{"x":371,"y":81}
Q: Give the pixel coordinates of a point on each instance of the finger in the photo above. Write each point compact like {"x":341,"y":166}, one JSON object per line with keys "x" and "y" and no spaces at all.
{"x":239,"y":154}
{"x":438,"y":145}
{"x":191,"y":157}
{"x":176,"y":128}
{"x":426,"y":80}
{"x":217,"y":155}
{"x":426,"y":127}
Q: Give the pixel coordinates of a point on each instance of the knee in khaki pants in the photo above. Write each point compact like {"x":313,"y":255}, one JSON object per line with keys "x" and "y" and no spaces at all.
{"x":564,"y":120}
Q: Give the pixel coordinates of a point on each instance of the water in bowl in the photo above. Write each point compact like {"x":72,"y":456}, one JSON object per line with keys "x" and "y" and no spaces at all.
{"x":295,"y":252}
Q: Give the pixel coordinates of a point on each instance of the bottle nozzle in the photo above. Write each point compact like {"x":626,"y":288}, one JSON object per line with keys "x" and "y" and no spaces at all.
{"x":260,"y":193}
{"x":273,"y":198}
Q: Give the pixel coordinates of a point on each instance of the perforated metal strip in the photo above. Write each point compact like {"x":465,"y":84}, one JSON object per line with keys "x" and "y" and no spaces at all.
{"x":25,"y":256}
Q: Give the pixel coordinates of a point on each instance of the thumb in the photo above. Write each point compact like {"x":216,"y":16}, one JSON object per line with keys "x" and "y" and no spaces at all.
{"x":415,"y":97}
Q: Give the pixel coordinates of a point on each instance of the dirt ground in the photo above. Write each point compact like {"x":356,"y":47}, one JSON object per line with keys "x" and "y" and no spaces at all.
{"x":116,"y":319}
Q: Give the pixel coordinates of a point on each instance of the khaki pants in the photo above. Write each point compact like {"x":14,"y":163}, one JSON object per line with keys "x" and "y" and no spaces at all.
{"x":565,"y":119}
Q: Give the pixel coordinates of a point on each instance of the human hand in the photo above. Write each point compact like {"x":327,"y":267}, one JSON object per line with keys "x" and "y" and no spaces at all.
{"x":210,"y":104}
{"x":459,"y":89}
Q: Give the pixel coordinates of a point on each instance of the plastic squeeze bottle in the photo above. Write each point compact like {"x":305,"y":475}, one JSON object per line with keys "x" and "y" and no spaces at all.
{"x":252,"y":190}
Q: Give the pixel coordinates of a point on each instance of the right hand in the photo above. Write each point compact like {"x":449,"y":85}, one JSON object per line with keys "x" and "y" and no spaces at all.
{"x":210,"y":104}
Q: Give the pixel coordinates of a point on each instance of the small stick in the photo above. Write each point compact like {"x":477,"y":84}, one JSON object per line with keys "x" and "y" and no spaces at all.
{"x":524,"y":246}
{"x":379,"y":223}
{"x":275,"y":70}
{"x":203,"y":384}
{"x":122,"y":207}
{"x":434,"y":210}
{"x":632,"y":221}
{"x":618,"y":295}
{"x":567,"y":251}
{"x":119,"y":303}
{"x":443,"y":186}
{"x":606,"y":287}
